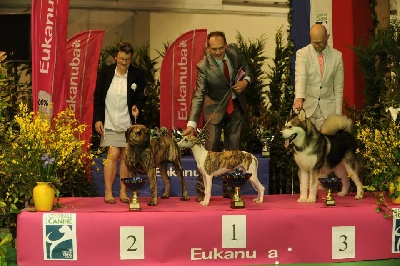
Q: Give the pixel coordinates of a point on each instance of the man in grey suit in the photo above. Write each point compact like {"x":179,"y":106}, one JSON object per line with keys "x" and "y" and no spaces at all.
{"x":212,"y":95}
{"x":319,"y":78}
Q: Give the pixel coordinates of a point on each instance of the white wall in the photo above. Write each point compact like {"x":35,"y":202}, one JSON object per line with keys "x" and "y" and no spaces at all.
{"x":134,"y":27}
{"x":168,"y":26}
{"x":163,"y":25}
{"x":158,"y":28}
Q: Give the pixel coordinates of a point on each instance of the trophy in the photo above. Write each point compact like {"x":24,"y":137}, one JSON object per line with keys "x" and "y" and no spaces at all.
{"x":329,"y":183}
{"x":134,"y":184}
{"x":266,"y":138}
{"x":236,"y":179}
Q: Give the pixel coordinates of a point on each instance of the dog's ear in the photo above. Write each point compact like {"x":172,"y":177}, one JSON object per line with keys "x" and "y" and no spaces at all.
{"x":146,"y":130}
{"x":128,"y":132}
{"x":302,"y":115}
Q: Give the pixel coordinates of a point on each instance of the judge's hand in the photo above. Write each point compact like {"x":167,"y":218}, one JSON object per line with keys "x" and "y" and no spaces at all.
{"x":298,"y":104}
{"x":99,"y":127}
{"x":240,"y":86}
{"x":135,"y":111}
{"x":188,"y":131}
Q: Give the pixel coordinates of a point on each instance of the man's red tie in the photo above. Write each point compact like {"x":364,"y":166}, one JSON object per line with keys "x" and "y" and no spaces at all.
{"x":229,"y":107}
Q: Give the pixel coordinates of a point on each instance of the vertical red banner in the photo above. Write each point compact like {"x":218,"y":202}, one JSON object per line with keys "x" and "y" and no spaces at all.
{"x":352,"y":24}
{"x":82,"y":61}
{"x":49,"y":22}
{"x":178,"y":77}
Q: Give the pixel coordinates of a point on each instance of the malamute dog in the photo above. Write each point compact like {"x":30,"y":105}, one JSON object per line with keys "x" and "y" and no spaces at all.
{"x":319,"y":153}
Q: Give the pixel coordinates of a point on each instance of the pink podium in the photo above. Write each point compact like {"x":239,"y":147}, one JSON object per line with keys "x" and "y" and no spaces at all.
{"x":279,"y":231}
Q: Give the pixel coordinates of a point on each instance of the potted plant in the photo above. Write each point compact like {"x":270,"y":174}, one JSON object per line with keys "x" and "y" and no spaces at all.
{"x":381,"y":152}
{"x":44,"y":149}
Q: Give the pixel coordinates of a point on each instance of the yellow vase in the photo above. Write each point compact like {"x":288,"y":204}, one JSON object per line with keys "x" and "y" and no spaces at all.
{"x":391,"y":190}
{"x":43,"y":196}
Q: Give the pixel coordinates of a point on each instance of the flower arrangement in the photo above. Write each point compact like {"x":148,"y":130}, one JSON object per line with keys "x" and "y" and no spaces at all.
{"x":381,"y":151}
{"x":49,"y":168}
{"x":46,"y":150}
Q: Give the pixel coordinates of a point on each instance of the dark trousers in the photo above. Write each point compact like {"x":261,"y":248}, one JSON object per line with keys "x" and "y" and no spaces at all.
{"x":230,"y":127}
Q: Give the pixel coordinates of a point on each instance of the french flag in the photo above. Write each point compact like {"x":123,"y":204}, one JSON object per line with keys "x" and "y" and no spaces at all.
{"x":348,"y":22}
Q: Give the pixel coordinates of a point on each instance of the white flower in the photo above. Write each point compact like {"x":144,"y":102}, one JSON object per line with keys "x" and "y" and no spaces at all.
{"x":393,"y":112}
{"x":133,"y":86}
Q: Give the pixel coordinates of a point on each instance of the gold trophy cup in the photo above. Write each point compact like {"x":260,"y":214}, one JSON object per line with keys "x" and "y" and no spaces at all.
{"x":236,"y":179}
{"x":134,"y":184}
{"x":329,"y":183}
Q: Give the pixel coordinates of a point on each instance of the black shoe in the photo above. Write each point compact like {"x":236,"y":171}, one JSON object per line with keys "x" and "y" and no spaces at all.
{"x":200,"y":196}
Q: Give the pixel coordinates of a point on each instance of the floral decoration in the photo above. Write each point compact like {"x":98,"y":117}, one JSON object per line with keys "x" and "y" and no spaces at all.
{"x":382,"y":152}
{"x":45,"y":149}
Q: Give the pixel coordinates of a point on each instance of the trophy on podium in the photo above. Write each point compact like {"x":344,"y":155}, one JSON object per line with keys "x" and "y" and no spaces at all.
{"x":329,"y":183}
{"x":236,"y":179}
{"x":266,"y":138}
{"x":134,"y":184}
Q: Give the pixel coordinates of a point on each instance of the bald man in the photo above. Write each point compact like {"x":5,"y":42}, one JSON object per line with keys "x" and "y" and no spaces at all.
{"x":319,"y":78}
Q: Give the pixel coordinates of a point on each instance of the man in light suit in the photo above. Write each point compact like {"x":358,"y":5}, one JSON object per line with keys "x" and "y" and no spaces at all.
{"x":319,"y":80}
{"x":319,"y":93}
{"x":212,"y":94}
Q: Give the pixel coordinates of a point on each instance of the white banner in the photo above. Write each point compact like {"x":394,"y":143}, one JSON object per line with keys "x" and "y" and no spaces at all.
{"x":321,"y":13}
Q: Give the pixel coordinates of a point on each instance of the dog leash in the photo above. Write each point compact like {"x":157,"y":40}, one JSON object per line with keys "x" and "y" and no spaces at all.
{"x":216,"y":108}
{"x":135,"y":114}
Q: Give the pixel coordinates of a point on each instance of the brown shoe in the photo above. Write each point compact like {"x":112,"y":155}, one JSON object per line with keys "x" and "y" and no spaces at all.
{"x":124,"y":200}
{"x":200,"y":196}
{"x":109,"y":201}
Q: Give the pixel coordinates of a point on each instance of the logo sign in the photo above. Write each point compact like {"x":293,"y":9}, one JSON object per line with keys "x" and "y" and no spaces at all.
{"x":59,"y":236}
{"x":396,"y":231}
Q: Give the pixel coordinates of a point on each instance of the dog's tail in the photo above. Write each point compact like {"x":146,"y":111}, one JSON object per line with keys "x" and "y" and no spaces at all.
{"x":335,"y":123}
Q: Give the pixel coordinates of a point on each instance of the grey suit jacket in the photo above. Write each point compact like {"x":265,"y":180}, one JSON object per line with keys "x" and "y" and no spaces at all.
{"x":315,"y":89}
{"x":212,"y":89}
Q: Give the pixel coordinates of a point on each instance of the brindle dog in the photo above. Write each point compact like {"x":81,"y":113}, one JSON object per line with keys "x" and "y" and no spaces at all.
{"x":143,"y":155}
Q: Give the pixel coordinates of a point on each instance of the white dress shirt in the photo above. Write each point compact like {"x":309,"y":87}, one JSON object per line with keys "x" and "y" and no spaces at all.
{"x":117,"y":114}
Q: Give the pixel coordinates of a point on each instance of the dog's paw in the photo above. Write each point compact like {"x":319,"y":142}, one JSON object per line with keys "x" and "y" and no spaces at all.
{"x":301,"y":199}
{"x":359,"y":196}
{"x":152,"y":203}
{"x":341,"y":193}
{"x":165,"y":196}
{"x":204,"y":203}
{"x":258,"y":200}
{"x":311,"y":200}
{"x":185,"y":198}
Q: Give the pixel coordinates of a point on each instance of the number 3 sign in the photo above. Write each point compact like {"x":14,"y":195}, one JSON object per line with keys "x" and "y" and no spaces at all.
{"x":343,"y":242}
